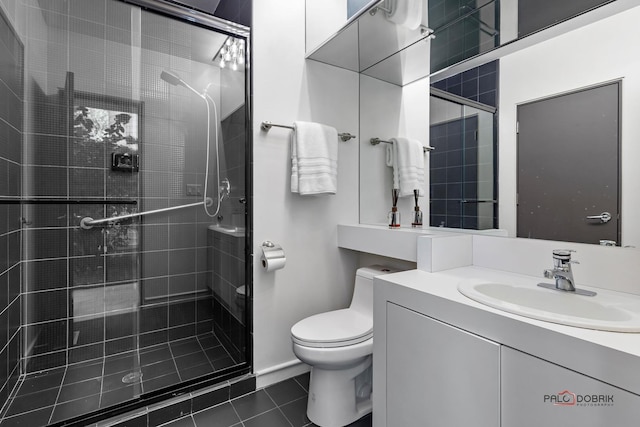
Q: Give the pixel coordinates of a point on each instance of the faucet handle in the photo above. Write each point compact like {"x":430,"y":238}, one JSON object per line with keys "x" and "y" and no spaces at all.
{"x":562,"y":254}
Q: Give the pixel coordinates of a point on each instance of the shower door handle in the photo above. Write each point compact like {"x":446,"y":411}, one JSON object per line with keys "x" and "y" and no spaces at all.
{"x":603,"y":217}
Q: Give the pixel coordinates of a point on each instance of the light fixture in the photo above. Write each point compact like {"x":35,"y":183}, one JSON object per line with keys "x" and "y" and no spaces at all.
{"x":231,"y":53}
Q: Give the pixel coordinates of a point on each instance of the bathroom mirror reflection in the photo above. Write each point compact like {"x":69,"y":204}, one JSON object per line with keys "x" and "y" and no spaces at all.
{"x":385,"y":39}
{"x":567,"y":65}
{"x":573,"y":65}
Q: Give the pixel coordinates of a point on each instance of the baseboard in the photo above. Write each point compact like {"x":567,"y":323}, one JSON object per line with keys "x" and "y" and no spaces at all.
{"x":281,"y":372}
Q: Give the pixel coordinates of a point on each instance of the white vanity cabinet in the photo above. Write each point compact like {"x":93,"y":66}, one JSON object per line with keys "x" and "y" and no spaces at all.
{"x":441,"y":360}
{"x":538,"y":393}
{"x":438,"y":375}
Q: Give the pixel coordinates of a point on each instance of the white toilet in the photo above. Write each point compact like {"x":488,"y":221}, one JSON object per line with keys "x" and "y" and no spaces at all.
{"x":338,"y":346}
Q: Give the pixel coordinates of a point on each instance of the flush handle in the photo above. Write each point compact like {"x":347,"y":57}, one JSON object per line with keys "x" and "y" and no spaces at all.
{"x":603,"y":217}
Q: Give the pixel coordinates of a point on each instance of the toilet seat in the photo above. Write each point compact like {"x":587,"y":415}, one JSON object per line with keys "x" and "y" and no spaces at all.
{"x":337,"y":328}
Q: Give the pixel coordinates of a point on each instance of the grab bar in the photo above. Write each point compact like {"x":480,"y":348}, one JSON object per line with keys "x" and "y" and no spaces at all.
{"x":87,"y":222}
{"x":266,"y":125}
{"x":376,"y":141}
{"x":61,"y":201}
{"x":478,"y":201}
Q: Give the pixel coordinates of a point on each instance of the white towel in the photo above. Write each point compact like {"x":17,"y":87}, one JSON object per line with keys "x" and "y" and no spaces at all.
{"x":408,"y":166}
{"x":314,"y":159}
{"x":407,"y":13}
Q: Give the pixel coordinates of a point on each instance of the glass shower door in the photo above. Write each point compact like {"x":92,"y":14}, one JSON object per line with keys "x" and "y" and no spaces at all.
{"x":125,"y":308}
{"x":106,"y":132}
{"x":462,"y":166}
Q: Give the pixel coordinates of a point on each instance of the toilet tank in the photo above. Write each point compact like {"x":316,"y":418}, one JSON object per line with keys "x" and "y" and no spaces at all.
{"x":362,"y":300}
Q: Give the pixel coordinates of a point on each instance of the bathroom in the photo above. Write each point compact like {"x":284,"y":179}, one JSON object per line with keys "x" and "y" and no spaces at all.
{"x":285,"y":87}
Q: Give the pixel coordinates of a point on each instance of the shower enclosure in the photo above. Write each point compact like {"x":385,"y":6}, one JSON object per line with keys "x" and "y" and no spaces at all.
{"x":125,"y":218}
{"x":462,"y":172}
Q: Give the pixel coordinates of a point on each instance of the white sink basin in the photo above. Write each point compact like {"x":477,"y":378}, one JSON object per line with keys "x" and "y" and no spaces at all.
{"x":607,"y":311}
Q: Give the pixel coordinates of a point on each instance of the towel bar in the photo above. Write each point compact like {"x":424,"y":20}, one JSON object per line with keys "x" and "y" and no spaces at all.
{"x":265,"y":126}
{"x":376,"y":141}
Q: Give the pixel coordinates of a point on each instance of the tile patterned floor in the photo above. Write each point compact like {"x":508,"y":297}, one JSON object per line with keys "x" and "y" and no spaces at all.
{"x":282,"y":404}
{"x":58,"y":394}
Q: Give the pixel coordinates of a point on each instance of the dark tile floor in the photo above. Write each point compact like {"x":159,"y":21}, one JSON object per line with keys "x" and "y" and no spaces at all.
{"x":58,"y":394}
{"x":282,"y":404}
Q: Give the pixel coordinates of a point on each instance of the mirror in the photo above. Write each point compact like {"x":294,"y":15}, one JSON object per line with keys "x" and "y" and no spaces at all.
{"x":584,"y":58}
{"x":368,"y":38}
{"x":588,"y":52}
{"x":376,"y":39}
{"x":394,"y":90}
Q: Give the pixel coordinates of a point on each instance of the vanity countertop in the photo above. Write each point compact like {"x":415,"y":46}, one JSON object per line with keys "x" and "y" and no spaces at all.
{"x":400,"y":243}
{"x":612,"y":357}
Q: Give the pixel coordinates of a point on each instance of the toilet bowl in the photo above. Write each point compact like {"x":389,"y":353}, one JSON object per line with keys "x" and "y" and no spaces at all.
{"x":338,"y":346}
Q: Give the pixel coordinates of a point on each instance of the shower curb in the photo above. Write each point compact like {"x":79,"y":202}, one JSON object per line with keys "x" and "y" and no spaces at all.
{"x":181,"y":405}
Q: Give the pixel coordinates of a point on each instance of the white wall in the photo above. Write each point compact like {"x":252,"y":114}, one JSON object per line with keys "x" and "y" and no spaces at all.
{"x":388,"y":111}
{"x":324,"y":18}
{"x":597,"y":264}
{"x":508,"y":21}
{"x":318,"y":276}
{"x":597,"y":53}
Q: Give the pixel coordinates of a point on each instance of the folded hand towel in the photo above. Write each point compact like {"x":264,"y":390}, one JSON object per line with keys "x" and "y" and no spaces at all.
{"x":389,"y":156}
{"x":407,"y":13}
{"x":314,"y":159}
{"x":408,"y":166}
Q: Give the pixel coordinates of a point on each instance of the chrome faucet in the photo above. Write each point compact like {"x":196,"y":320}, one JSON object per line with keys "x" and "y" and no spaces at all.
{"x":562,"y":270}
{"x":224,"y":189}
{"x":562,"y":273}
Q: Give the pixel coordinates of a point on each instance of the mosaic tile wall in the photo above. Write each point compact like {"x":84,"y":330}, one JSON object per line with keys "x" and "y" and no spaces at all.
{"x":11,"y":127}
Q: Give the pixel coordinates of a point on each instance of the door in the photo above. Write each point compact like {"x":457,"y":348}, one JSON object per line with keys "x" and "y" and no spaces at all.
{"x":568,"y":166}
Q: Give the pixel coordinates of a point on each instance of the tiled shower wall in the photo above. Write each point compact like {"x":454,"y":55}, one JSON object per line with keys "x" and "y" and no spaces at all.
{"x":229,"y":304}
{"x":232,"y":145}
{"x":453,"y":175}
{"x":478,"y":84}
{"x":11,"y":125}
{"x":148,"y":277}
{"x":459,"y":37}
{"x":227,"y":250}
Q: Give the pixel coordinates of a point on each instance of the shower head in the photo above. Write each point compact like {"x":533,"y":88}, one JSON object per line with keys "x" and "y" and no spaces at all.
{"x":171,"y":78}
{"x":174,"y":79}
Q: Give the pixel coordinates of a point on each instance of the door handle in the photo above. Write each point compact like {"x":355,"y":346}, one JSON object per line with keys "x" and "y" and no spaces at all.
{"x":603,"y":217}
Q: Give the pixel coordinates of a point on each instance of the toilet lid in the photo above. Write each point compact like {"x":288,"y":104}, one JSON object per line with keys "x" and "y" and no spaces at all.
{"x":333,"y":329}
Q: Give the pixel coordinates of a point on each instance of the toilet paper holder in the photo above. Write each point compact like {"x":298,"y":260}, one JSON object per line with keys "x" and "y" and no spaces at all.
{"x":273,"y":257}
